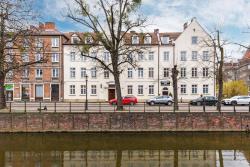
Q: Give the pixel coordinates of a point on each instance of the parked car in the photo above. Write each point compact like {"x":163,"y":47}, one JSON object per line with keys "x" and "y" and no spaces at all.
{"x":126,"y":100}
{"x":208,"y":100}
{"x":167,"y":100}
{"x":237,"y":100}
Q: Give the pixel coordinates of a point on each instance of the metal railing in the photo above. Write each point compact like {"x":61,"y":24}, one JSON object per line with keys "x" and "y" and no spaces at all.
{"x":69,"y":107}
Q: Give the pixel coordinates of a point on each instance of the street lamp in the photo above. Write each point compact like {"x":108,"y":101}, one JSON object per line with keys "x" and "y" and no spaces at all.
{"x":86,"y":100}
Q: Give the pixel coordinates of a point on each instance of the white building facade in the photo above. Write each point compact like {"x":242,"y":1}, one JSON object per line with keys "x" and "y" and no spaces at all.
{"x":152,"y":76}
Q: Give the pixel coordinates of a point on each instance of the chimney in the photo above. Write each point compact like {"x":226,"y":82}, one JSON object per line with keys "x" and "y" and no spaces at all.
{"x":194,"y":18}
{"x":185,"y":26}
{"x":49,"y":26}
{"x":156,"y":31}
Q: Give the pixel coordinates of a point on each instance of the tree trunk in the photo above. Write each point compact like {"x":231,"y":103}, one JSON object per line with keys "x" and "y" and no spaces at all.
{"x":118,"y":91}
{"x":2,"y":91}
{"x":220,"y":77}
{"x":175,"y":86}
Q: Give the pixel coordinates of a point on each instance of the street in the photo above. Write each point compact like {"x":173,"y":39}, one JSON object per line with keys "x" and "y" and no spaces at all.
{"x":105,"y":107}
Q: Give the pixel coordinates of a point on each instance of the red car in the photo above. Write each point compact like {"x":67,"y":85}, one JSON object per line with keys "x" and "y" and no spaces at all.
{"x":127,"y":100}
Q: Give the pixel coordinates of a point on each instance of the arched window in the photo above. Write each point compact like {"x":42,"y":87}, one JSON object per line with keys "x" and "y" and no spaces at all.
{"x":135,"y":39}
{"x":147,"y":39}
{"x":75,"y":39}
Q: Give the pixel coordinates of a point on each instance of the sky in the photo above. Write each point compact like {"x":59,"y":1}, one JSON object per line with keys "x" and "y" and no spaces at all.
{"x":231,"y":17}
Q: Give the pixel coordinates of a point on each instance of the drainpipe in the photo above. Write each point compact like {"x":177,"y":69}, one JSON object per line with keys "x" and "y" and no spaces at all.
{"x":158,"y":77}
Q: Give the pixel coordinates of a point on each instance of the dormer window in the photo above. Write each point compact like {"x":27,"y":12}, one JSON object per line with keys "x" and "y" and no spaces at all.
{"x":88,"y":40}
{"x":75,"y":39}
{"x":135,"y":39}
{"x":147,"y":39}
{"x":165,"y":40}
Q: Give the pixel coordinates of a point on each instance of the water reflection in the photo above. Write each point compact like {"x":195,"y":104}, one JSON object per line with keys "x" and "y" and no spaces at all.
{"x":126,"y":158}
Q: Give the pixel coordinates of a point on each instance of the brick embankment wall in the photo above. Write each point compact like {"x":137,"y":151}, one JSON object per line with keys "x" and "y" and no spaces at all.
{"x":96,"y":122}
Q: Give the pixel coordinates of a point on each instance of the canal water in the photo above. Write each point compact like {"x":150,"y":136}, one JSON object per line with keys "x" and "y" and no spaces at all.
{"x":125,"y":150}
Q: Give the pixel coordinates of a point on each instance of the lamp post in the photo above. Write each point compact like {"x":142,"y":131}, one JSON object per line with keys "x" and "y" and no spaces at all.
{"x":86,"y":100}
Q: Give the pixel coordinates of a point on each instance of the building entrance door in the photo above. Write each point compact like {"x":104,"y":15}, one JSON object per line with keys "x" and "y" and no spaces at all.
{"x":39,"y":92}
{"x":25,"y":92}
{"x":165,"y":91}
{"x":111,"y":94}
{"x":55,"y":92}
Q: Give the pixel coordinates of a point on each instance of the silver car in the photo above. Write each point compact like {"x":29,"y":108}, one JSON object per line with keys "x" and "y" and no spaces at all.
{"x":237,"y":100}
{"x":167,"y":100}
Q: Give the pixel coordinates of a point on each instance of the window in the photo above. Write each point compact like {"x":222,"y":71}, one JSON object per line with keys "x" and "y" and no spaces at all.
{"x":130,"y":58}
{"x":39,"y":73}
{"x":9,"y":74}
{"x":26,"y":43}
{"x":205,"y":89}
{"x":94,"y":55}
{"x":130,"y":89}
{"x":55,"y":42}
{"x":140,"y":56}
{"x":83,"y":72}
{"x":151,"y":89}
{"x":93,"y":72}
{"x":72,"y":89}
{"x":83,"y":58}
{"x":140,"y":89}
{"x":166,"y":56}
{"x":183,"y":56}
{"x":194,"y":40}
{"x":147,"y":39}
{"x":93,"y":89}
{"x":89,"y":40}
{"x":55,"y":73}
{"x":25,"y":72}
{"x":39,"y":42}
{"x":135,"y":39}
{"x":194,"y":72}
{"x":72,"y":56}
{"x":75,"y":39}
{"x":72,"y":72}
{"x":106,"y":56}
{"x":205,"y":56}
{"x":106,"y":74}
{"x":165,"y":72}
{"x":83,"y":89}
{"x":130,"y":73}
{"x":165,"y":40}
{"x":38,"y":57}
{"x":140,"y":72}
{"x":205,"y":72}
{"x":194,"y":89}
{"x":183,"y":89}
{"x":194,"y":55}
{"x":151,"y":56}
{"x":25,"y":57}
{"x":151,"y":72}
{"x":55,"y":57}
{"x":183,"y":72}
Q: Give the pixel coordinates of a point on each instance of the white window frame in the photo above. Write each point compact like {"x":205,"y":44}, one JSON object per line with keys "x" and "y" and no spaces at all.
{"x":72,"y":56}
{"x":166,"y":56}
{"x":54,"y":57}
{"x":183,"y":89}
{"x":205,"y":88}
{"x":183,"y":72}
{"x":55,"y":72}
{"x":25,"y":57}
{"x":72,"y":89}
{"x":39,"y":73}
{"x":72,"y":72}
{"x":130,"y":89}
{"x":194,"y":89}
{"x":183,"y":56}
{"x":194,"y":40}
{"x":151,"y":56}
{"x":140,"y":72}
{"x":135,"y":39}
{"x":93,"y":90}
{"x":38,"y":56}
{"x":93,"y":71}
{"x":106,"y":74}
{"x":165,"y":72}
{"x":83,"y":89}
{"x":83,"y":72}
{"x":151,"y":89}
{"x":205,"y":71}
{"x":55,"y":42}
{"x":194,"y":55}
{"x":151,"y":72}
{"x":130,"y":72}
{"x":205,"y":56}
{"x":147,"y":39}
{"x":194,"y":72}
{"x":140,"y":89}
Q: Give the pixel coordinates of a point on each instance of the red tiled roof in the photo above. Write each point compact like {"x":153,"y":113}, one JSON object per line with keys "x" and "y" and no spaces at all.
{"x":247,"y":55}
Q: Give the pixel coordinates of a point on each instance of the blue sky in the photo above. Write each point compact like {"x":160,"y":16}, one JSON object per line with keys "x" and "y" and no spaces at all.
{"x":232,"y":17}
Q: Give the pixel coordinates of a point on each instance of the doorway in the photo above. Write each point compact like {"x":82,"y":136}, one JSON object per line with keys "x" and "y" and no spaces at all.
{"x":55,"y":92}
{"x":111,"y":94}
{"x":25,"y":92}
{"x":39,"y":92}
{"x":165,"y":91}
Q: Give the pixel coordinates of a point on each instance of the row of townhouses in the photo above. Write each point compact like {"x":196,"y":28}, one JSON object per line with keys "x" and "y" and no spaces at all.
{"x":63,"y":76}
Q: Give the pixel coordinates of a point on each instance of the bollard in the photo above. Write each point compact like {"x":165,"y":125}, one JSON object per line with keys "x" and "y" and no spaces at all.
{"x":99,"y":106}
{"x":129,"y":108}
{"x":249,"y":107}
{"x":144,"y":107}
{"x":10,"y":106}
{"x":40,"y":103}
{"x":234,"y":108}
{"x":204,"y":106}
{"x":174,"y":107}
{"x":25,"y":106}
{"x":55,"y":107}
{"x":70,"y":106}
{"x":188,"y":107}
{"x":159,"y":110}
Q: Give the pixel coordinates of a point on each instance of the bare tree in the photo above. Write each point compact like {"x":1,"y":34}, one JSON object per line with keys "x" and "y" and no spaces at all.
{"x":110,"y":21}
{"x":15,"y":38}
{"x":175,"y":73}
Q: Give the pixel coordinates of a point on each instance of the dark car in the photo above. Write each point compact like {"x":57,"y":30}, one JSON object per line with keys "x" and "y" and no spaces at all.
{"x":207,"y":100}
{"x":127,"y":100}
